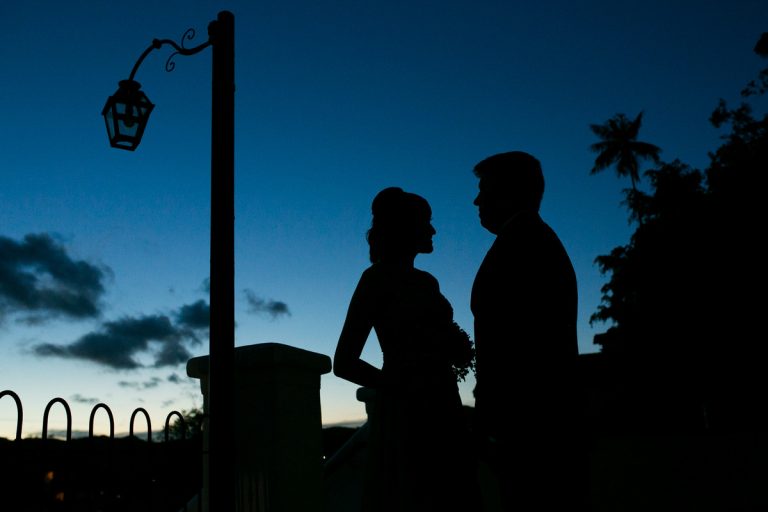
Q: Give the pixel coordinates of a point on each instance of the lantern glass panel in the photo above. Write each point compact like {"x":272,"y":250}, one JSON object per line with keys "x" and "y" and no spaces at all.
{"x":126,"y":114}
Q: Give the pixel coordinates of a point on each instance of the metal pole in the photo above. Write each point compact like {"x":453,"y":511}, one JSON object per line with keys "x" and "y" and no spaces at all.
{"x":222,"y":485}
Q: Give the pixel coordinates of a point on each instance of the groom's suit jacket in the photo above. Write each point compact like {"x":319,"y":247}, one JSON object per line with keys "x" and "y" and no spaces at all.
{"x":524,"y":302}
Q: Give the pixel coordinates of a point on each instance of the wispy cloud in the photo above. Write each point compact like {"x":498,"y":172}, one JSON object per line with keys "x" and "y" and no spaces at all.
{"x":78,"y":398}
{"x":271,"y":307}
{"x":39,"y":280}
{"x":119,"y":344}
{"x":152,"y":383}
{"x":174,"y":377}
{"x":194,"y":316}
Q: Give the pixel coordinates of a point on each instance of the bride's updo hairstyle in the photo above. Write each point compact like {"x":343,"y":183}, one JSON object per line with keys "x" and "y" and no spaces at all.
{"x":395,"y":213}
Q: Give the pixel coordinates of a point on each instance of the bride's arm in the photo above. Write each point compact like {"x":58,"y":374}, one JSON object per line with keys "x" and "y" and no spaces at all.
{"x":347,"y":363}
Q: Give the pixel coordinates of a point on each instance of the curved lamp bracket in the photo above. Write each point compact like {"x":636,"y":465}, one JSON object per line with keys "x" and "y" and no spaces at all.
{"x":127,"y":111}
{"x":180,"y":49}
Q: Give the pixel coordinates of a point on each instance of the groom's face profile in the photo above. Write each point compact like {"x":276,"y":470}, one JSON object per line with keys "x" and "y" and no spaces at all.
{"x":492,"y":208}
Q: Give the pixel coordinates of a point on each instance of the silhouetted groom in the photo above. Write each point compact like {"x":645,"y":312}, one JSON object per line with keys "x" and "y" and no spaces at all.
{"x":524,"y":302}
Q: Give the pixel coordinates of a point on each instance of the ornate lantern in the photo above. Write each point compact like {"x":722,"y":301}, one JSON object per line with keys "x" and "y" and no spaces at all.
{"x":126,"y":113}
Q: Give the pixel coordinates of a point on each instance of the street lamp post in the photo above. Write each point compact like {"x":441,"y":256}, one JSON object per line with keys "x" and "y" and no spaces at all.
{"x":126,"y":114}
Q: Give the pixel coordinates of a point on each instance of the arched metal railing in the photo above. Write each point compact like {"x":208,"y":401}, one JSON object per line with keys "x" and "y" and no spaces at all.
{"x":19,"y":411}
{"x":68,"y":411}
{"x":48,"y":410}
{"x":149,"y":423}
{"x":111,"y":420}
{"x":183,"y":425}
{"x":66,"y":460}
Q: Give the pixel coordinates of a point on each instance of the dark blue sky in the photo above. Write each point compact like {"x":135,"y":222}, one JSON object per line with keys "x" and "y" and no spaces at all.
{"x":335,"y":101}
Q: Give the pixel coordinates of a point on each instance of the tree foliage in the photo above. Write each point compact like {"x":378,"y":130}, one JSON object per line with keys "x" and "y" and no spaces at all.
{"x":191,"y":426}
{"x":619,"y":147}
{"x":685,"y":288}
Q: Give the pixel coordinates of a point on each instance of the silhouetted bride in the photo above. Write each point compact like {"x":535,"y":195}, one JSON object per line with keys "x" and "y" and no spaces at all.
{"x":419,"y":456}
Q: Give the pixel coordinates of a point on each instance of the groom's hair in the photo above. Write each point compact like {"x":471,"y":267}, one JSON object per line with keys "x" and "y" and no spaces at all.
{"x":514,"y":173}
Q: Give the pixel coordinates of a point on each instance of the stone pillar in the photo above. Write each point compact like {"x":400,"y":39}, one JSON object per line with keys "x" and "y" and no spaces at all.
{"x":278,"y":430}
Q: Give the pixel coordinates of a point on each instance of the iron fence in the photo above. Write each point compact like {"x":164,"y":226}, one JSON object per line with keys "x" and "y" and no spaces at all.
{"x":100,"y":473}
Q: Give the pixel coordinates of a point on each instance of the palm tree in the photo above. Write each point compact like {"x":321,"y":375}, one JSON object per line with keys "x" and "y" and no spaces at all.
{"x":619,"y":146}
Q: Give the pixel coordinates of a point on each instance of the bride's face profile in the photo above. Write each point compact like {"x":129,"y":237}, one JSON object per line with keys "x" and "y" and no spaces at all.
{"x":425,"y":231}
{"x":401,"y":227}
